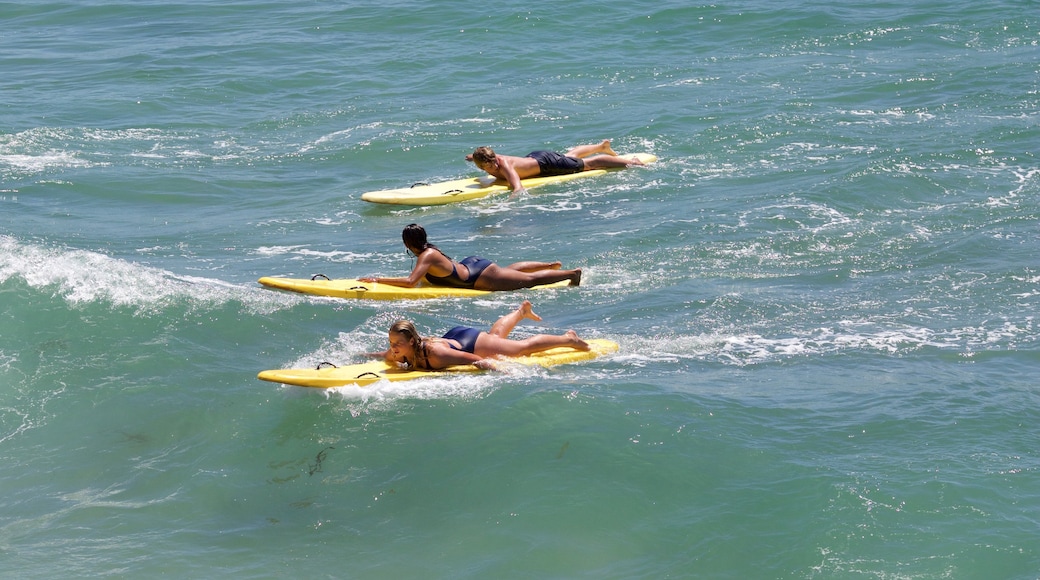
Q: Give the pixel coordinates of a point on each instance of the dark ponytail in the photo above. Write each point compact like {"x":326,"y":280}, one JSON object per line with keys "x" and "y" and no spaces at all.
{"x":414,"y":238}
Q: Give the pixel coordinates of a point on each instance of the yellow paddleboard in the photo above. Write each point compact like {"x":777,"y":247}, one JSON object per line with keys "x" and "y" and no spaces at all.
{"x":367,"y":373}
{"x":351,"y":288}
{"x":457,"y":190}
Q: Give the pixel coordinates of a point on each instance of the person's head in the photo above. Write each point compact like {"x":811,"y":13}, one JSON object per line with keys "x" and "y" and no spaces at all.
{"x":405,"y":343}
{"x":414,"y":238}
{"x":483,"y":157}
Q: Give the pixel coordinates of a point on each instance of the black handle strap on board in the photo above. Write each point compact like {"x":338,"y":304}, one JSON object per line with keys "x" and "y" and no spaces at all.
{"x":368,"y":373}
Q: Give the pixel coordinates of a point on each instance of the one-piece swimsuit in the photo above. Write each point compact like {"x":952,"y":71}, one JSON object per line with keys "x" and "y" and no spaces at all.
{"x":466,"y":336}
{"x":476,"y":266}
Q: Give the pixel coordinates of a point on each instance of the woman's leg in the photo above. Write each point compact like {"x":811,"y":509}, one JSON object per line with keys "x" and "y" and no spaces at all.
{"x":535,"y":266}
{"x":495,"y":277}
{"x":489,"y":345}
{"x":505,"y":325}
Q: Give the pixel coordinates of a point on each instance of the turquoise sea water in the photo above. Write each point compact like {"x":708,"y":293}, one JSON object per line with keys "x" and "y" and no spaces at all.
{"x":825,"y":291}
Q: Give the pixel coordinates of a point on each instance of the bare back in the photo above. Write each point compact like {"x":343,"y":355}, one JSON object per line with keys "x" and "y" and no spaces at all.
{"x":524,"y":166}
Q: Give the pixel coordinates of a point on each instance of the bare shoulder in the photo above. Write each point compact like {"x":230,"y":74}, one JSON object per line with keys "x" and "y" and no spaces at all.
{"x":521,"y":163}
{"x":514,"y":160}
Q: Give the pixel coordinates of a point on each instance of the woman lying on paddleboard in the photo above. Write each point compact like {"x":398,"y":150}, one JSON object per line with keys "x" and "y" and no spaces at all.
{"x":472,"y":272}
{"x":463,"y":345}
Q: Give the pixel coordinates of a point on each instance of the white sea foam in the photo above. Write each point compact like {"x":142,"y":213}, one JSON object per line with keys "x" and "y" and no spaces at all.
{"x":38,"y":163}
{"x":748,"y":348}
{"x":456,"y":386}
{"x":82,"y":276}
{"x":304,"y":252}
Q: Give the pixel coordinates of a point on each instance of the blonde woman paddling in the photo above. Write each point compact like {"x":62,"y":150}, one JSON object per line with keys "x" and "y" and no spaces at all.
{"x":463,"y":345}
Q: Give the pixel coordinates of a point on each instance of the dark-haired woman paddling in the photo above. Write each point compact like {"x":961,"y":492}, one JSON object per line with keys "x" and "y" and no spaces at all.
{"x":472,"y":272}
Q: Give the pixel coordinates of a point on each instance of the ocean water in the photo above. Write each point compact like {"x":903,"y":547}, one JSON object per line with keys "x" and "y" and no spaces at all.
{"x":825,"y":291}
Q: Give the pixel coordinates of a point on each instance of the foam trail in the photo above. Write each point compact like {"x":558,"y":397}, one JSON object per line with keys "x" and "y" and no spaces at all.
{"x":82,"y":277}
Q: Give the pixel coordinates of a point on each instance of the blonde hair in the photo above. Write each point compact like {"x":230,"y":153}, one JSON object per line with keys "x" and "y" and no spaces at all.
{"x":411,"y":334}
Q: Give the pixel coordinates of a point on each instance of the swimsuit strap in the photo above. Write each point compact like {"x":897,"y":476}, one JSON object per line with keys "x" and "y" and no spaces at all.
{"x":453,"y":279}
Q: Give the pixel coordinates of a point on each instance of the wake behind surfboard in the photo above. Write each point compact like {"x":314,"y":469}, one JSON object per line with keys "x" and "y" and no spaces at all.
{"x":363,"y":374}
{"x":457,"y":190}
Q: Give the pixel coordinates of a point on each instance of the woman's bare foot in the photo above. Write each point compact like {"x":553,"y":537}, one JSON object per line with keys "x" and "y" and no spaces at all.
{"x":576,"y":342}
{"x":526,"y":311}
{"x":576,"y":277}
{"x":606,"y":148}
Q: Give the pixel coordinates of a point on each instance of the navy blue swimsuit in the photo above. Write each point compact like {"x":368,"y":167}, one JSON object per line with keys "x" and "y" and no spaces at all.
{"x":466,"y":336}
{"x":476,"y":266}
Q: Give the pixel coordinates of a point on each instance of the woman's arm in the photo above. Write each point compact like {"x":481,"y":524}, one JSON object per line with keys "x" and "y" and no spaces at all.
{"x":422,"y":265}
{"x":402,"y":282}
